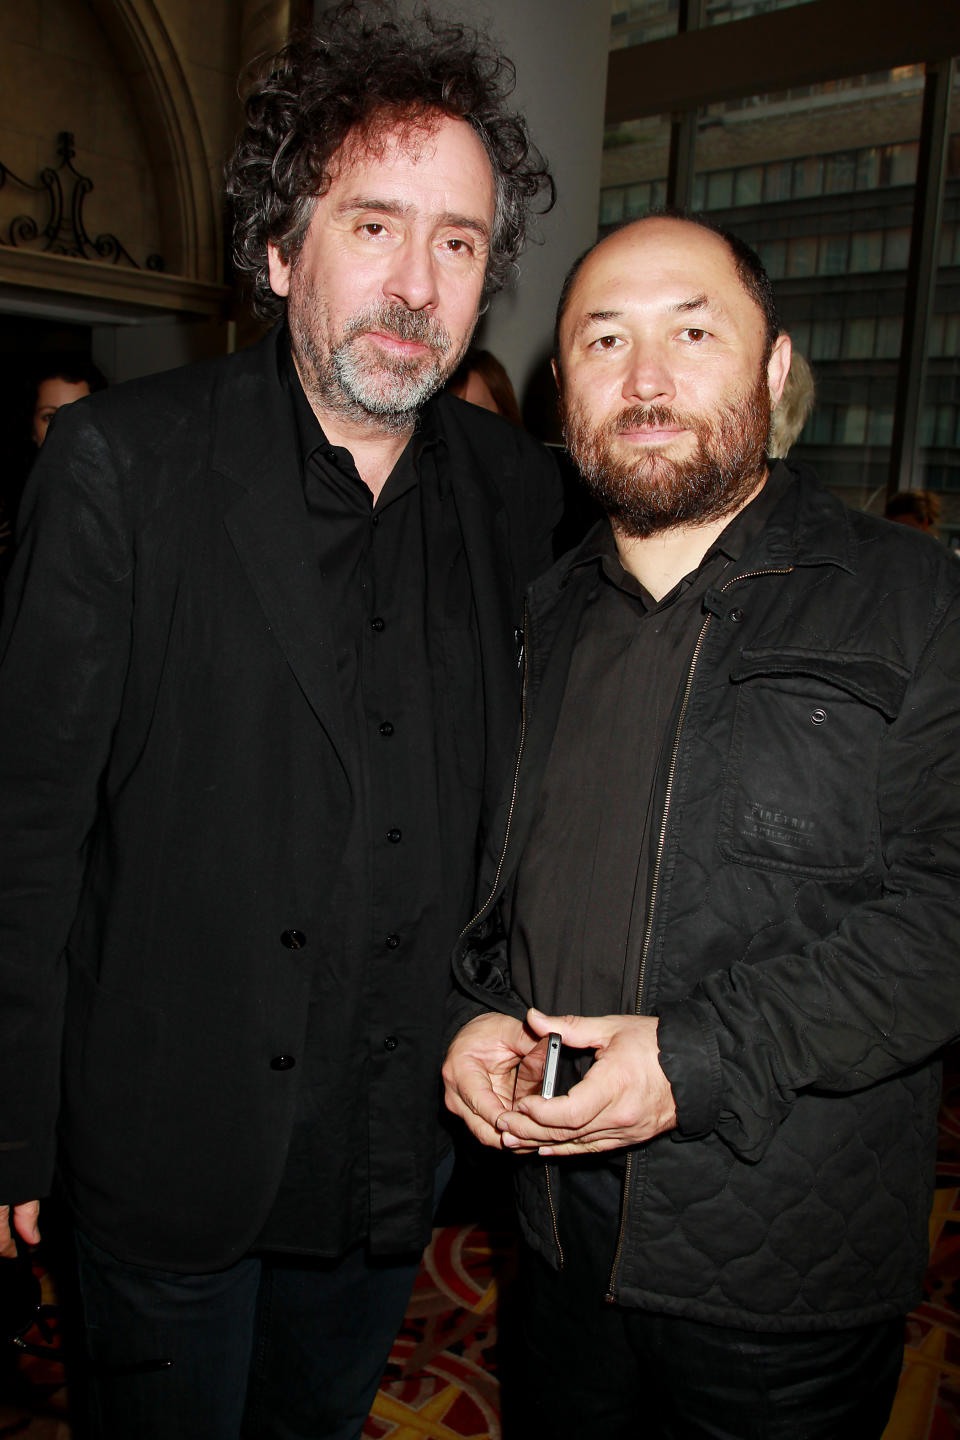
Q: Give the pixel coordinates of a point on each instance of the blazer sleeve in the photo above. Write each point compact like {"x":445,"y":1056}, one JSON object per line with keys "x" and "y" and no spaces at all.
{"x":64,"y":649}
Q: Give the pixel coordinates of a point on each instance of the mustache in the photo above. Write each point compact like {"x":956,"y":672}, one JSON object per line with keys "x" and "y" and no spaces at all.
{"x":403,"y":324}
{"x":656,"y":416}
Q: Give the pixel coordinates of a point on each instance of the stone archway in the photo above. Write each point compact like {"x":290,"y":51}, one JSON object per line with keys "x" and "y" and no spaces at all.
{"x":189,"y":213}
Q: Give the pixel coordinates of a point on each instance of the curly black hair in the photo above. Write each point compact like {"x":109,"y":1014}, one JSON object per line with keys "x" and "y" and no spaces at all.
{"x":359,"y":65}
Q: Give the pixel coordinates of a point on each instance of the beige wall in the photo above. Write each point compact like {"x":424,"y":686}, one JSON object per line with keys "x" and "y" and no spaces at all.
{"x":149,"y":90}
{"x":58,"y":72}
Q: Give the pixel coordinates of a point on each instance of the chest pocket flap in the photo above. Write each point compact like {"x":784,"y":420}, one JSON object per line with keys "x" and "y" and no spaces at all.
{"x":801,"y":781}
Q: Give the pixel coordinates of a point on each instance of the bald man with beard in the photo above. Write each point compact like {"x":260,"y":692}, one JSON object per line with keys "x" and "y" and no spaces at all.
{"x":725,"y":873}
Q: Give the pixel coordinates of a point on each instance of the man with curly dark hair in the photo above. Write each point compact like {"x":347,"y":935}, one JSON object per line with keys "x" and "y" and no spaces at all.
{"x":277,"y":602}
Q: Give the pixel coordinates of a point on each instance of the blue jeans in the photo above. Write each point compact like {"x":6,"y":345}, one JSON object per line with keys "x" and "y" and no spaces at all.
{"x":269,"y":1349}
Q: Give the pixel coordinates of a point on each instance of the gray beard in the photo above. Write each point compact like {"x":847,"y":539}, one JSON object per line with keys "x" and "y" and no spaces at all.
{"x":649,"y":493}
{"x":384,"y":393}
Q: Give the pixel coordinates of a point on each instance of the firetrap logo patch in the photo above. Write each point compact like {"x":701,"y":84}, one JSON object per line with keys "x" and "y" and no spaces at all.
{"x":767,"y":822}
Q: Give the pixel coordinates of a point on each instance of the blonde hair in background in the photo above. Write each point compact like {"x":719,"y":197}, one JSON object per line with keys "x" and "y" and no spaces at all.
{"x":793,"y":410}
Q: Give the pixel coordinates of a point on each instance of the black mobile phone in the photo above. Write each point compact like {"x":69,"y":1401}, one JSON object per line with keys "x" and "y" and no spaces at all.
{"x":549,"y":1082}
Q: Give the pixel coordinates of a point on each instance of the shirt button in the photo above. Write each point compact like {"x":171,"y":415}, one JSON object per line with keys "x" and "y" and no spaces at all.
{"x":394,"y":836}
{"x":736,"y":615}
{"x":392,"y":941}
{"x":386,"y":729}
{"x":377,"y":623}
{"x":293,"y":939}
{"x":391,"y":1042}
{"x":282,"y":1062}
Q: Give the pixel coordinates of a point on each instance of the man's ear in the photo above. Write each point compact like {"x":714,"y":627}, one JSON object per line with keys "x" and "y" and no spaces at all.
{"x":778,"y":367}
{"x":279,"y":270}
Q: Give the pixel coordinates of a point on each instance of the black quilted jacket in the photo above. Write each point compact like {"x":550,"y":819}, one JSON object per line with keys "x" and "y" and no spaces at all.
{"x":803,"y":932}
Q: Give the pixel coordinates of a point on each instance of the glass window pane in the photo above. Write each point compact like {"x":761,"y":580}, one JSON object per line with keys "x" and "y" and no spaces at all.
{"x":944,"y":432}
{"x":721,"y":12}
{"x":896,"y":249}
{"x":903,"y":164}
{"x":611,"y":207}
{"x":800,"y":335}
{"x":889,"y":336}
{"x":868,"y":168}
{"x":807,"y":177}
{"x":834,"y":250}
{"x":840,"y":172}
{"x":637,"y":201}
{"x":802,"y":256}
{"x":634,"y":22}
{"x":777,"y":181}
{"x":858,"y":338}
{"x":825,"y":336}
{"x":880,"y":428}
{"x":819,"y":428}
{"x":854,"y":425}
{"x":748,"y":186}
{"x":635,"y":160}
{"x":866,"y":250}
{"x":773,"y":253}
{"x":720,"y":190}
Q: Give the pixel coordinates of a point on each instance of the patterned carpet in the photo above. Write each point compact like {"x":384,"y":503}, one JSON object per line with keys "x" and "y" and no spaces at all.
{"x":441,"y":1382}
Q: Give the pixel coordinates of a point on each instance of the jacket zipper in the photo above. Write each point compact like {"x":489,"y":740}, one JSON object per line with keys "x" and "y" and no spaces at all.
{"x":654,"y":886}
{"x":525,"y":651}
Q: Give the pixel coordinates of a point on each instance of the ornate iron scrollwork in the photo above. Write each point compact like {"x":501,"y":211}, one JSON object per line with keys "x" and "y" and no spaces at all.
{"x":65,"y":233}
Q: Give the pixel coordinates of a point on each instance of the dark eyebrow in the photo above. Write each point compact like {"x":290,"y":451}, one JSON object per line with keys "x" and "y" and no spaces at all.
{"x":596,"y":317}
{"x":697,"y":302}
{"x":356,"y":203}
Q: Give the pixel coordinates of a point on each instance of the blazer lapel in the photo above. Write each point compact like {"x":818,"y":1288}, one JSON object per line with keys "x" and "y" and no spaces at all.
{"x":255,"y":444}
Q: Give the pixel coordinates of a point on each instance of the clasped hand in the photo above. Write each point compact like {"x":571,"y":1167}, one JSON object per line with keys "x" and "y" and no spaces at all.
{"x":492,"y":1077}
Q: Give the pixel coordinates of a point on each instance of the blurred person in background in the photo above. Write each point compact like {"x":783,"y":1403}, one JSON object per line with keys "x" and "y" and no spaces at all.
{"x":482,"y":380}
{"x":793,"y":409}
{"x":917,"y":508}
{"x":58,"y":379}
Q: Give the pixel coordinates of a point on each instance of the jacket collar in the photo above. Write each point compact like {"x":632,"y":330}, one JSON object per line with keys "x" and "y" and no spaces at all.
{"x":810,"y":526}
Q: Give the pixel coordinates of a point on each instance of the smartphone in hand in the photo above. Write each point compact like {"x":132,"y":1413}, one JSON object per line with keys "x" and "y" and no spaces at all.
{"x":549,"y":1082}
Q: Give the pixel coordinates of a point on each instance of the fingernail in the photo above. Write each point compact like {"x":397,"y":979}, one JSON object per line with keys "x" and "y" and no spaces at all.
{"x":544,"y":1150}
{"x":509,"y":1140}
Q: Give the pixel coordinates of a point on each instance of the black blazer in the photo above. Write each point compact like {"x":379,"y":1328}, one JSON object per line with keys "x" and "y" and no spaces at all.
{"x":174,"y":798}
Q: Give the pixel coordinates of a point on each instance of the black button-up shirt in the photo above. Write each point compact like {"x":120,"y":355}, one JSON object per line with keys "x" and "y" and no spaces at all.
{"x":378,"y":947}
{"x":580,"y":896}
